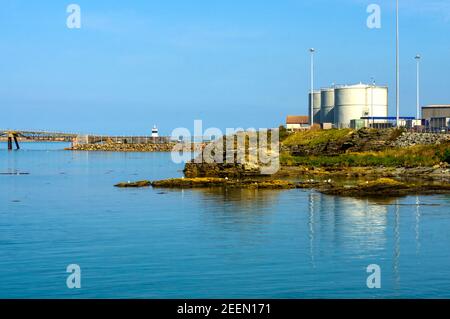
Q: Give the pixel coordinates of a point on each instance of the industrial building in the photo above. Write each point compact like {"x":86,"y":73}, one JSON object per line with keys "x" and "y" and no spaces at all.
{"x":346,"y":104}
{"x":438,"y":110}
{"x":439,"y":123}
{"x":294,"y":123}
{"x":434,"y":111}
{"x":436,"y":117}
{"x":362,"y":105}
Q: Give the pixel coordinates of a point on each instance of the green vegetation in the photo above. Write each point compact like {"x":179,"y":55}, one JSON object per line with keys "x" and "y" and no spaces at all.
{"x":415,"y":156}
{"x":444,"y":154}
{"x":316,"y":137}
{"x":284,"y":134}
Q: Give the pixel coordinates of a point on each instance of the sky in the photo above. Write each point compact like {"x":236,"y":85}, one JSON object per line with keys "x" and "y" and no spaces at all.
{"x":231,"y":64}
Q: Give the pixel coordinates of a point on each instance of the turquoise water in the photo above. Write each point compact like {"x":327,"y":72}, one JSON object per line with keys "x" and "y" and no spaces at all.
{"x":145,"y":243}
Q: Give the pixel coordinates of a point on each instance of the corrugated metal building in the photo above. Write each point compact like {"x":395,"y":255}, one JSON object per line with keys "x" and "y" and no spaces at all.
{"x":436,"y":111}
{"x":439,"y":123}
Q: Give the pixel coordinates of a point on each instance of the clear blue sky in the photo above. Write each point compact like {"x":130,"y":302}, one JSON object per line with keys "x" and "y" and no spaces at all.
{"x":230,"y":63}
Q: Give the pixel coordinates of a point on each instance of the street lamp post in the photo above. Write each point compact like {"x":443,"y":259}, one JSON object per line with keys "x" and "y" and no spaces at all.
{"x":311,"y":120}
{"x":418,"y":57}
{"x":397,"y":66}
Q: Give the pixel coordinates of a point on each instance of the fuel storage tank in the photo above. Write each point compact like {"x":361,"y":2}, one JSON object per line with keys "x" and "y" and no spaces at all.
{"x":327,"y":105}
{"x":356,"y":101}
{"x":377,"y":100}
{"x":316,"y":106}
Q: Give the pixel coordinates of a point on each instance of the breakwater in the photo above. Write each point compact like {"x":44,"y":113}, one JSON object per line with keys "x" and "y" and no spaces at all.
{"x":141,"y":147}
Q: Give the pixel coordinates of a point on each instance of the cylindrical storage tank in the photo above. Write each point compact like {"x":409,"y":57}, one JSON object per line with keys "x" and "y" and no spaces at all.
{"x":356,"y":101}
{"x":316,"y":106}
{"x":327,"y":105}
{"x":378,"y":105}
{"x":350,"y":104}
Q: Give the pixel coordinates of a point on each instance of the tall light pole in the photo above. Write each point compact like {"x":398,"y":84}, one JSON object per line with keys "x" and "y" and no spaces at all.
{"x":418,"y":57}
{"x":397,"y":62}
{"x":311,"y":120}
{"x":371,"y":96}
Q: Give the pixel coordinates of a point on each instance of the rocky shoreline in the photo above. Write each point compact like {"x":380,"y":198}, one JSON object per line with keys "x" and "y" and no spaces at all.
{"x":224,"y":182}
{"x":202,"y":170}
{"x":382,"y":187}
{"x":182,"y":183}
{"x":438,"y":173}
{"x":366,"y":162}
{"x":385,"y":187}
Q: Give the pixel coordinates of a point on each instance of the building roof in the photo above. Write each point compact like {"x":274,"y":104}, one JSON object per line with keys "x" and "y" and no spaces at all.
{"x":297,"y":119}
{"x":359,"y":86}
{"x":436,"y":106}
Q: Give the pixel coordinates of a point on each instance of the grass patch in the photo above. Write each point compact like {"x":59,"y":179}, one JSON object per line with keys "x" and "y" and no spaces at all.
{"x":284,"y":134}
{"x":388,"y":182}
{"x":444,"y":154}
{"x":316,"y":137}
{"x":415,"y":156}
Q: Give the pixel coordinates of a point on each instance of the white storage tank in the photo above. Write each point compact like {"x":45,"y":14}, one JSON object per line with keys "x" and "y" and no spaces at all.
{"x":378,"y":105}
{"x":327,"y":105}
{"x":316,"y":106}
{"x":361,"y":100}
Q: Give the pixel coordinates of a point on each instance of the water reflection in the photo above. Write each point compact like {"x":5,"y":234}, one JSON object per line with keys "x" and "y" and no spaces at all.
{"x":312,"y":200}
{"x":418,"y":216}
{"x":247,"y":209}
{"x":358,"y":228}
{"x":346,"y":219}
{"x":363,"y":226}
{"x":396,"y":258}
{"x":240,"y":198}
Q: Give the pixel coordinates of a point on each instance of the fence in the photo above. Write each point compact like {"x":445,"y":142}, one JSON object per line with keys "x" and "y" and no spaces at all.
{"x":92,"y":139}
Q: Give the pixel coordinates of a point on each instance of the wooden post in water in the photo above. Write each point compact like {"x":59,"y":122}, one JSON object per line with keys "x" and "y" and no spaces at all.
{"x":12,"y":136}
{"x":17,"y":143}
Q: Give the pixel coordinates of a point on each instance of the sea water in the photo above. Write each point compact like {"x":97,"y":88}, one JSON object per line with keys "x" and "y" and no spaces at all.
{"x":59,"y":208}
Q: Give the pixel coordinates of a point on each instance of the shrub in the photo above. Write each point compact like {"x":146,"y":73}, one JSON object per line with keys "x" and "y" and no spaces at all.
{"x":283,"y":133}
{"x":446,"y":156}
{"x":312,"y":138}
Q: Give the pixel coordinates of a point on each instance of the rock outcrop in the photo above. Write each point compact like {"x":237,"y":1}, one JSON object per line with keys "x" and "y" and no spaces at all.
{"x":354,"y":141}
{"x":408,"y":139}
{"x":224,"y":182}
{"x":193,"y":170}
{"x":138,"y":184}
{"x":385,"y":187}
{"x":382,"y":187}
